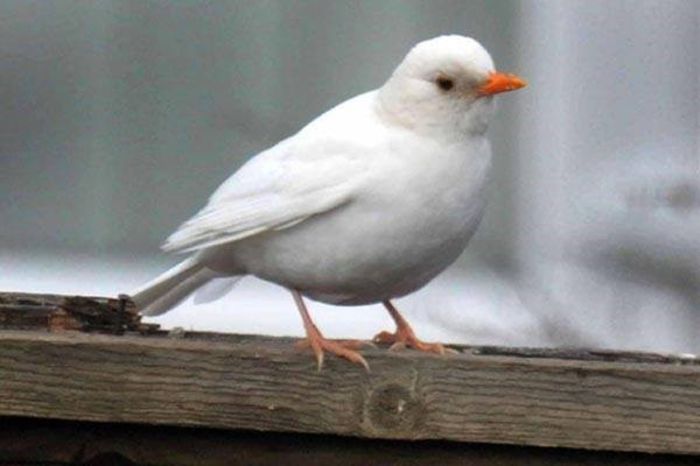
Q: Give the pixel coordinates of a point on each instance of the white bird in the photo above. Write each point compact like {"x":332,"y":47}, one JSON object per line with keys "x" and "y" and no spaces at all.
{"x":368,"y":202}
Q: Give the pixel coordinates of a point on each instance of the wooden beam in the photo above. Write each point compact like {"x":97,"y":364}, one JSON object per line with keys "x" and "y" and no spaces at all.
{"x":39,"y":441}
{"x":84,"y":313}
{"x":559,"y":398}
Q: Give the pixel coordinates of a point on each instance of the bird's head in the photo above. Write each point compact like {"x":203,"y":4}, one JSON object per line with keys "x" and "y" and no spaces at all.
{"x":445,"y":84}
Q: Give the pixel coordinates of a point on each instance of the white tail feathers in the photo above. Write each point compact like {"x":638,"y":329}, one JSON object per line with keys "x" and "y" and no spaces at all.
{"x":215,"y":289}
{"x":169,"y":289}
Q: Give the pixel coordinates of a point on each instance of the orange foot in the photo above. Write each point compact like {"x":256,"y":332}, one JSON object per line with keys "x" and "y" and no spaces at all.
{"x":342,"y":348}
{"x":403,"y":338}
{"x":314,"y":339}
{"x":404,"y":335}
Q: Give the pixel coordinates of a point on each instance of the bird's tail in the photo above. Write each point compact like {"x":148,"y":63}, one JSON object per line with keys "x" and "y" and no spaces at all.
{"x":170,"y":288}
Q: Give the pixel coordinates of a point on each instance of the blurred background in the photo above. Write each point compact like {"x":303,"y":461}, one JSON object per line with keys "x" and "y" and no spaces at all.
{"x":119,"y":117}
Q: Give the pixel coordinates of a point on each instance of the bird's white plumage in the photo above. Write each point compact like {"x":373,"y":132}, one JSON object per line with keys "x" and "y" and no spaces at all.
{"x":369,"y":201}
{"x":273,"y":192}
{"x":315,"y":171}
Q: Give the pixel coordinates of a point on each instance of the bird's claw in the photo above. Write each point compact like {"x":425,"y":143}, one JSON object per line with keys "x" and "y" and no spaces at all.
{"x":404,"y":338}
{"x":342,"y":348}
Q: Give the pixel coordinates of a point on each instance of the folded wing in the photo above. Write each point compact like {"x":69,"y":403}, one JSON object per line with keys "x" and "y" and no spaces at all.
{"x":277,"y":189}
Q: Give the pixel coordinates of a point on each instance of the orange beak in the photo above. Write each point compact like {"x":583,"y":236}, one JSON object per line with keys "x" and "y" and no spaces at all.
{"x":501,"y":82}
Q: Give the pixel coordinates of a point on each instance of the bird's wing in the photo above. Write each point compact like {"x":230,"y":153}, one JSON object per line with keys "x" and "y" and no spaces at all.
{"x":277,"y":189}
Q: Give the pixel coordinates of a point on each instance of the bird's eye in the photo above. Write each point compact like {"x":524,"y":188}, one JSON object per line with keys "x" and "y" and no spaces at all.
{"x":444,"y":83}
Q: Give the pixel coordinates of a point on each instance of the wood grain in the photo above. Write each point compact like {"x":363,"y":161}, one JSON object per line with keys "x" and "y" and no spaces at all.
{"x":579,"y":399}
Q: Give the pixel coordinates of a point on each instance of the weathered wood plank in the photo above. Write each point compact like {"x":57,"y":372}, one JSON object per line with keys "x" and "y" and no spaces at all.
{"x":57,"y":313}
{"x":38,"y":441}
{"x":571,"y":399}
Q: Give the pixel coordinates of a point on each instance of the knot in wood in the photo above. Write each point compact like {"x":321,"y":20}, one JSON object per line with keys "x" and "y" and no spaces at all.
{"x":394,"y":407}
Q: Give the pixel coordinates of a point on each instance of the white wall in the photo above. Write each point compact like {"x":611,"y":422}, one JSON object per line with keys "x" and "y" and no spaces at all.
{"x":609,"y":185}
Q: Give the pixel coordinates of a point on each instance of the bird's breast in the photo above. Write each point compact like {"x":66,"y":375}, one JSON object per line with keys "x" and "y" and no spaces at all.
{"x":431,"y":203}
{"x":410,"y":220}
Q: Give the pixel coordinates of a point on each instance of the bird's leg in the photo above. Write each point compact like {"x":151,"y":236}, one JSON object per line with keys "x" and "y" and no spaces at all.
{"x":318,"y":343}
{"x":404,"y":335}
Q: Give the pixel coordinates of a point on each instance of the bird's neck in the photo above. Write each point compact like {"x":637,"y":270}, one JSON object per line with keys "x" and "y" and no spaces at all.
{"x":475,"y":121}
{"x":447,"y":121}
